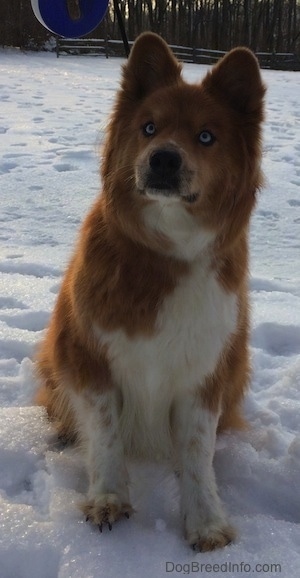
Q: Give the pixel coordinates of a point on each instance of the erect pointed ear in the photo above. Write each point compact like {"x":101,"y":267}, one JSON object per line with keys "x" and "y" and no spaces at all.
{"x":236,"y":79}
{"x":151,"y":65}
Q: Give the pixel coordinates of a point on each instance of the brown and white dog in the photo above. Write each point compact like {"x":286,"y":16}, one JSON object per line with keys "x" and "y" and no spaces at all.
{"x":146,"y":354}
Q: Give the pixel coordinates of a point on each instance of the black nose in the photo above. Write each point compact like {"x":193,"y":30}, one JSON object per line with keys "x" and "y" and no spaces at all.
{"x":165,"y":163}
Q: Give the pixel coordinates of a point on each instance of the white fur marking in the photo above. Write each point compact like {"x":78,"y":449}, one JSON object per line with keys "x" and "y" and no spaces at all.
{"x":201,"y":507}
{"x":98,"y":425}
{"x":192,"y":329}
{"x":168,"y":216}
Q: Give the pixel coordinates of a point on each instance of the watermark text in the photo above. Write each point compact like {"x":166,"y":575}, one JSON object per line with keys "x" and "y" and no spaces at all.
{"x":242,"y":567}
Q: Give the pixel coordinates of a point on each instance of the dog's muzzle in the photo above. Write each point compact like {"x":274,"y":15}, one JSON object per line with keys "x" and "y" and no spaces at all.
{"x":165,"y":176}
{"x":164,"y":171}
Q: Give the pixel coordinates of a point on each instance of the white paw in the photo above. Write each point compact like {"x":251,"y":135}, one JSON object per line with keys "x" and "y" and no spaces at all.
{"x":210,"y":537}
{"x":105,"y":509}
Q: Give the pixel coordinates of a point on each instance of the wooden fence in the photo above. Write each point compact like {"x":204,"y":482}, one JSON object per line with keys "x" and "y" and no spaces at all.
{"x":109,"y":48}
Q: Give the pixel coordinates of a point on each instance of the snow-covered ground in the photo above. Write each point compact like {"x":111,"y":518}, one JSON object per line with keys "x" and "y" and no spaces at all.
{"x":52,"y":116}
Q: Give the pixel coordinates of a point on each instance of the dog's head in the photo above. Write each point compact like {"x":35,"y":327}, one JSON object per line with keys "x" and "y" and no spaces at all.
{"x":185,"y":156}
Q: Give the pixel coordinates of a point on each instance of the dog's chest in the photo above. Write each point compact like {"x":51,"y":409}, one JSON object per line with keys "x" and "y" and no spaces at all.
{"x":192,"y":328}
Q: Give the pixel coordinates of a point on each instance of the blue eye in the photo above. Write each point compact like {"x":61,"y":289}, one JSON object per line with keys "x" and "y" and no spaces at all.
{"x":206,"y":138}
{"x":149,"y":129}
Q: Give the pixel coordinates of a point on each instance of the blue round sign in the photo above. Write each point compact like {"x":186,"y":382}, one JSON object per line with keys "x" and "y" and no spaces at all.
{"x":70,"y":18}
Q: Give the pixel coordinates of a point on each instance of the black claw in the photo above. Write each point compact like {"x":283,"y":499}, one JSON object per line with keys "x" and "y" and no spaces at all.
{"x":87,"y":519}
{"x":100,"y":528}
{"x":110,"y":527}
{"x":127,"y":515}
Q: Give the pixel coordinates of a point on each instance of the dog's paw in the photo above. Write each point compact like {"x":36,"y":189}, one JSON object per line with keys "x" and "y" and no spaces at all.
{"x":211,"y":539}
{"x":105,"y":509}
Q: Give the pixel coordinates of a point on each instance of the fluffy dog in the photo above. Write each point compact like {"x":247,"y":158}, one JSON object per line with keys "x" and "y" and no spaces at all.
{"x":146,"y":353}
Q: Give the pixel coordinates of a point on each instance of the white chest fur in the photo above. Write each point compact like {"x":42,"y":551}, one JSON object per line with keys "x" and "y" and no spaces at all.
{"x":150,"y":373}
{"x":169,"y":217}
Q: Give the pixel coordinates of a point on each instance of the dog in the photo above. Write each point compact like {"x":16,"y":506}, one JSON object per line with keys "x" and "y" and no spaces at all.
{"x":146,"y":353}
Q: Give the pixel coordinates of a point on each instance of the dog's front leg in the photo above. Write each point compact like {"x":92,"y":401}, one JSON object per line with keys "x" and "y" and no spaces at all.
{"x":98,"y":423}
{"x":206,"y":527}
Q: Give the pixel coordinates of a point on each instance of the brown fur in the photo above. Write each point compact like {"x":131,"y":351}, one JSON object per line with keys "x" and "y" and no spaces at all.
{"x":122,"y":271}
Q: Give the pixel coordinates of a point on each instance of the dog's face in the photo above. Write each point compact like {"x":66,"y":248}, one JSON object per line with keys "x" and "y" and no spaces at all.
{"x":186,"y":150}
{"x":193,"y":147}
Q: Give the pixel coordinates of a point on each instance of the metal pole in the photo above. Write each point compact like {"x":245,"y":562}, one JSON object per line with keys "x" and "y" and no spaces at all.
{"x":122,"y":27}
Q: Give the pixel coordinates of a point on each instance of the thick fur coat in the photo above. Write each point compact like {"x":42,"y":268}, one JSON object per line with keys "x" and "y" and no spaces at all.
{"x":146,"y":353}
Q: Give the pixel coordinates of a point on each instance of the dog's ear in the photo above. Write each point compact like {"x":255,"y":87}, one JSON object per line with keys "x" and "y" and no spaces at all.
{"x":236,"y":79}
{"x":151,"y":65}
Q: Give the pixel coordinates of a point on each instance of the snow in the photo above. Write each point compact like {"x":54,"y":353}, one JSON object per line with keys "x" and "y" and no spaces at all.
{"x":52,"y":117}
